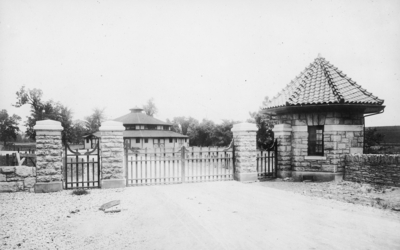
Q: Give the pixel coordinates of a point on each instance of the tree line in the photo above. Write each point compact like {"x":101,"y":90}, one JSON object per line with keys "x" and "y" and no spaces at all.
{"x":202,"y":133}
{"x":205,"y":133}
{"x":73,"y":130}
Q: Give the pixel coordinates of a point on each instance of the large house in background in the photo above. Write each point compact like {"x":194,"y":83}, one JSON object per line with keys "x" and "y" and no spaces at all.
{"x":144,"y":131}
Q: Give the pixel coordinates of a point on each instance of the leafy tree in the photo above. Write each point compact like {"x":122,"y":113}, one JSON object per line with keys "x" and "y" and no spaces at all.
{"x":222,"y":135}
{"x":78,"y":130}
{"x":93,"y":122}
{"x":265,"y":124}
{"x":8,"y":126}
{"x":175,"y":126}
{"x":372,"y":138}
{"x":183,"y":124}
{"x":22,"y":138}
{"x":202,"y":134}
{"x":41,"y":110}
{"x":150,"y":107}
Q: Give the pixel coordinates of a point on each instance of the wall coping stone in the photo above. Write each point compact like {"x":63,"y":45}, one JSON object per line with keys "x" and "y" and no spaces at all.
{"x":373,"y":158}
{"x":303,"y":128}
{"x":314,"y":157}
{"x":112,"y":126}
{"x":282,"y":128}
{"x":346,"y":128}
{"x":48,"y":125}
{"x":245,"y":126}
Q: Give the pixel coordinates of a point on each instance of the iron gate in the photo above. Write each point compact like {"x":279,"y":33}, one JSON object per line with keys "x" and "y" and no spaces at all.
{"x":267,"y":161}
{"x":168,"y":166}
{"x":81,"y":167}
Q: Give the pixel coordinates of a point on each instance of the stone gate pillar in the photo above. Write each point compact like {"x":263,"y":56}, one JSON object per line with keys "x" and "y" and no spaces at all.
{"x":112,"y":154}
{"x":244,"y":136}
{"x":48,"y":156}
{"x":283,"y":133}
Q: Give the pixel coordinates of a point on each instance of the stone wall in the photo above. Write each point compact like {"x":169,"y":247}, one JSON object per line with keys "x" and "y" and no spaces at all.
{"x":17,"y":178}
{"x":343,"y":134}
{"x":373,"y":169}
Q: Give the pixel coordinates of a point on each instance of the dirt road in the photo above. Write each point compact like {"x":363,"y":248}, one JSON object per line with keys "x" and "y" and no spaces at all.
{"x":217,"y":215}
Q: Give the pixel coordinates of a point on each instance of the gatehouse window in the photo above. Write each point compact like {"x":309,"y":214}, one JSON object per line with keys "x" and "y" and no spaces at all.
{"x":170,"y":140}
{"x":146,"y":140}
{"x":137,"y":140}
{"x":316,"y":140}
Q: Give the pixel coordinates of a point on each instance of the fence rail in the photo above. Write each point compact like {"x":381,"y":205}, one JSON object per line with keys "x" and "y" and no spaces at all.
{"x":17,"y":158}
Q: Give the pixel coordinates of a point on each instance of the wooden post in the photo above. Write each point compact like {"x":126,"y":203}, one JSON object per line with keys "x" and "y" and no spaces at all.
{"x":183,"y":149}
{"x":126,"y":165}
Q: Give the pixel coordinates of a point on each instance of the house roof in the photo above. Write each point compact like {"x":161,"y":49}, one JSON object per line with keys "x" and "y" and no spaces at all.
{"x":321,"y":83}
{"x":152,"y":134}
{"x":137,"y":117}
{"x":95,"y":134}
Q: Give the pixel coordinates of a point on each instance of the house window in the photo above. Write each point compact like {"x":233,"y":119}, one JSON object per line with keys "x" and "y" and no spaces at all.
{"x":137,"y":140}
{"x":146,"y":140}
{"x":316,"y":140}
{"x":170,"y":140}
{"x":176,"y":140}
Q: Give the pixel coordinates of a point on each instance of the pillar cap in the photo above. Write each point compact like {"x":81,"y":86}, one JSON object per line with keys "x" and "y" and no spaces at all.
{"x":112,"y":126}
{"x":245,"y":126}
{"x":48,"y":125}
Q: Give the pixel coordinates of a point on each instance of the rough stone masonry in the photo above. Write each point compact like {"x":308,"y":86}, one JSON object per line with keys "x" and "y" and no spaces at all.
{"x":373,"y":169}
{"x":17,"y":178}
{"x":244,"y":135}
{"x":48,"y":156}
{"x":112,"y":155}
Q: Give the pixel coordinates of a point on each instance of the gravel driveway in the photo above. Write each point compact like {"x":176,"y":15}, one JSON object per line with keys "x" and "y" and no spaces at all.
{"x":215,"y":215}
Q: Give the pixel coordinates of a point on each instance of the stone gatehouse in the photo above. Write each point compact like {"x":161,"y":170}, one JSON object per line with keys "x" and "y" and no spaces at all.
{"x":319,"y":119}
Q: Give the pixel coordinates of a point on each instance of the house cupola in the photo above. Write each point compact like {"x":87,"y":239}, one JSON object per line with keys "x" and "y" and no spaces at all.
{"x":136,"y":110}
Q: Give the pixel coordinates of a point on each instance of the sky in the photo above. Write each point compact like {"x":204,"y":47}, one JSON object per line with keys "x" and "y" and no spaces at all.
{"x":205,"y":59}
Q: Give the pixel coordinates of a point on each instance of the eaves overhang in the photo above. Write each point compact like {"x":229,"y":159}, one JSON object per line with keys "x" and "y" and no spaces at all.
{"x":357,"y":108}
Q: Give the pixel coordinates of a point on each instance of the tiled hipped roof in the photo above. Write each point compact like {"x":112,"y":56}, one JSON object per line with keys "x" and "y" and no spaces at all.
{"x":322,"y":83}
{"x":139,"y":118}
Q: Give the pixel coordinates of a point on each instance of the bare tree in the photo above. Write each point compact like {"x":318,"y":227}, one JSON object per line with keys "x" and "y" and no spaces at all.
{"x":150,"y":108}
